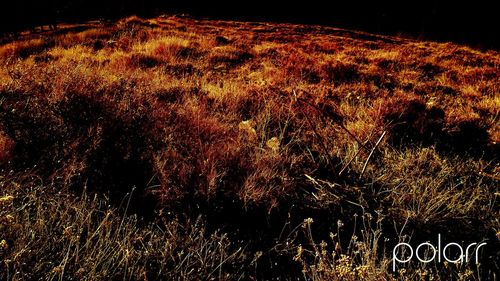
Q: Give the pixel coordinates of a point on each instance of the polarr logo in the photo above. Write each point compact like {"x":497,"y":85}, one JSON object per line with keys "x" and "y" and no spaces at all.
{"x":439,"y":252}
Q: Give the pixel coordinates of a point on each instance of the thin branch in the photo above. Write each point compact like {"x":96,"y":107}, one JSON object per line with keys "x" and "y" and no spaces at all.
{"x":371,"y":153}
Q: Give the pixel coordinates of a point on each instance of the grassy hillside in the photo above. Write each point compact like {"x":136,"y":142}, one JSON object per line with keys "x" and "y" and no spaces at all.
{"x":213,"y":150}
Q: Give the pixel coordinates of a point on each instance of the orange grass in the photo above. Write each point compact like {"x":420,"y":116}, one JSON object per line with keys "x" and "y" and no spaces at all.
{"x":266,"y":116}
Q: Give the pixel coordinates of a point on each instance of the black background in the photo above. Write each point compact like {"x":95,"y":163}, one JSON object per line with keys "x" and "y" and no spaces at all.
{"x":474,"y":23}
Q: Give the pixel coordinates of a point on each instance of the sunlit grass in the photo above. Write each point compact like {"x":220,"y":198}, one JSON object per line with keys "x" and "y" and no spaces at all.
{"x":204,"y":116}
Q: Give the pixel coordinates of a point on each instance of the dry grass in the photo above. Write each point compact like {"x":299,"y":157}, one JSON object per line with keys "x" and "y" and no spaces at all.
{"x":224,"y":118}
{"x":47,"y":235}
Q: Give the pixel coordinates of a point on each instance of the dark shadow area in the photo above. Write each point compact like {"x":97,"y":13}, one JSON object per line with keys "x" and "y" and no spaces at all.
{"x":412,"y":123}
{"x":98,"y":148}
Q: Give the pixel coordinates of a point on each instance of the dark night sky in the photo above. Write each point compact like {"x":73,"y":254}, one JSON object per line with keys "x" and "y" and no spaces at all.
{"x":475,"y":23}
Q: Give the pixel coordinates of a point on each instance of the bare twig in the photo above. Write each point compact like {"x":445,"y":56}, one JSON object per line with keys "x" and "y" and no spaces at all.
{"x":349,"y":162}
{"x":371,"y":153}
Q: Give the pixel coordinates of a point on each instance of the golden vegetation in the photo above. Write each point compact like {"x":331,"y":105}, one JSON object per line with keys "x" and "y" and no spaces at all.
{"x":276,"y":121}
{"x":57,"y":236}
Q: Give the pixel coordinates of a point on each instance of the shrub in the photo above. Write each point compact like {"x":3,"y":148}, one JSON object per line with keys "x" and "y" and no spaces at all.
{"x":340,"y":72}
{"x":411,"y":121}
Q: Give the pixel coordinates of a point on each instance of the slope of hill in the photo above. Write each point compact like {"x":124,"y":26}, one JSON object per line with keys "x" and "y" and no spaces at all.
{"x":192,"y":149}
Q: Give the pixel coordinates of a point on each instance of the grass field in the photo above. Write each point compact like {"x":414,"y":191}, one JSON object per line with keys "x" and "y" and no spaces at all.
{"x":182,"y":149}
